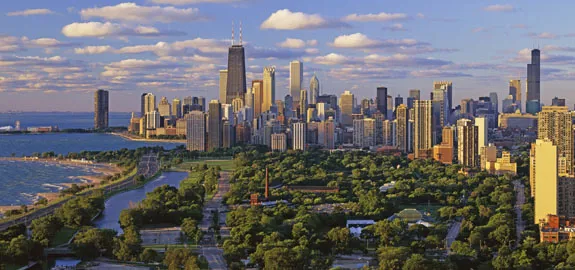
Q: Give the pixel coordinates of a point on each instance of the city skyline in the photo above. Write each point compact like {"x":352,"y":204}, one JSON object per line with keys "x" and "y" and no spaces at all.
{"x":169,"y":50}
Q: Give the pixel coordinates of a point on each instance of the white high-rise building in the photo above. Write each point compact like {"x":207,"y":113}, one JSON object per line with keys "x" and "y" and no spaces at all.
{"x":299,"y":134}
{"x":196,"y":131}
{"x":313,"y":89}
{"x":321,"y":108}
{"x":295,"y":79}
{"x":481,"y":124}
{"x":153,"y":119}
{"x":228,"y":113}
{"x":149,"y":103}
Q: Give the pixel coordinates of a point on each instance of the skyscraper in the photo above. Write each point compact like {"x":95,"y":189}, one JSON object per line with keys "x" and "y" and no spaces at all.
{"x":467,"y":151}
{"x":482,"y":131}
{"x":558,"y":101}
{"x":153,"y":119}
{"x":534,"y":82}
{"x":415,"y":94}
{"x":257,"y":90}
{"x":544,"y":178}
{"x":423,"y":129}
{"x":214,"y":125}
{"x":164,"y":107}
{"x":176,"y":108}
{"x":381,"y":100}
{"x":143,"y":104}
{"x":447,"y":87}
{"x":554,"y":124}
{"x":401,"y":129}
{"x":269,"y":88}
{"x":303,"y":104}
{"x":101,"y":107}
{"x":326,"y":133}
{"x":299,"y":134}
{"x":495,"y":101}
{"x":223,"y":84}
{"x":149,"y":103}
{"x":313,"y":89}
{"x":196,"y":131}
{"x":279,"y":142}
{"x":441,"y":109}
{"x":236,"y":77}
{"x":295,"y":79}
{"x":515,"y":91}
{"x":346,"y":107}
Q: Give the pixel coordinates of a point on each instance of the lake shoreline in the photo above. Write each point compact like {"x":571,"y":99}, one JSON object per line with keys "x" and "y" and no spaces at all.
{"x":139,"y":139}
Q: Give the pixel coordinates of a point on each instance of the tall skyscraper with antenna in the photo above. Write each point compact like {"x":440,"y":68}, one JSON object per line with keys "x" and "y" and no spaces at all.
{"x":534,"y":83}
{"x":236,"y":80}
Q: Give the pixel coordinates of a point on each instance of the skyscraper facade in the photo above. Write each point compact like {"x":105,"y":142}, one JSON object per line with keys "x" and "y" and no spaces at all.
{"x":214,"y":125}
{"x":149,"y":103}
{"x":195,"y":131}
{"x":467,"y":151}
{"x":534,"y":82}
{"x":495,"y":101}
{"x":415,"y":94}
{"x":164,"y":107}
{"x":555,"y":124}
{"x":143,"y":104}
{"x":401,"y":132}
{"x":346,"y":106}
{"x":326,"y":134}
{"x":482,"y":131}
{"x":303,"y":104}
{"x":544,"y":178}
{"x":299,"y":134}
{"x":423,"y":128}
{"x":101,"y":108}
{"x":236,"y":77}
{"x":447,"y":87}
{"x":223,"y":84}
{"x":257,"y":90}
{"x":177,"y":108}
{"x":515,"y":91}
{"x":295,"y":79}
{"x":269,"y":88}
{"x":381,"y":100}
{"x":313,"y":89}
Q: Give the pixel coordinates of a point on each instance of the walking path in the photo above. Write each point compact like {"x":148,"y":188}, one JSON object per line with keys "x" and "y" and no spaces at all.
{"x":520,"y":195}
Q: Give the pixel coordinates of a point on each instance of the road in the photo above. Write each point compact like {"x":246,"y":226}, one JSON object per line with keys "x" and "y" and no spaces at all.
{"x":520,"y":195}
{"x":147,"y":167}
{"x":455,"y":227}
{"x":213,"y":254}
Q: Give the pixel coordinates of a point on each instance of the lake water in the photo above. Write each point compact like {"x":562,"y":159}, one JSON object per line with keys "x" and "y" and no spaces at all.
{"x":64,"y":120}
{"x":20,"y":181}
{"x":111,"y":215}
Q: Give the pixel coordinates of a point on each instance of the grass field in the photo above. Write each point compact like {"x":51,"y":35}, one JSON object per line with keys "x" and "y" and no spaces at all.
{"x":63,"y":236}
{"x":226,"y":165}
{"x":432,"y":208}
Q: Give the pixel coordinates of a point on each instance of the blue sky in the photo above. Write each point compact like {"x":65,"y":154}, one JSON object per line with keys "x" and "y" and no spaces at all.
{"x":54,"y":54}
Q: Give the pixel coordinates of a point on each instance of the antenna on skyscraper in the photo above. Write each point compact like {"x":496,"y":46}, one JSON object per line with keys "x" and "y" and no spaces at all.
{"x":240,"y":32}
{"x":233,"y":33}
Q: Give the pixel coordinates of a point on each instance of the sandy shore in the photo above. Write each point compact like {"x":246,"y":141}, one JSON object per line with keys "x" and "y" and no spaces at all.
{"x":101,"y":169}
{"x":140,"y":139}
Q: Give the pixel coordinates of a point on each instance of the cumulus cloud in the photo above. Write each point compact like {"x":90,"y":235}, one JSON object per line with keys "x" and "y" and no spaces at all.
{"x":188,"y":2}
{"x":396,"y":27}
{"x":379,"y":17}
{"x":332,"y":59}
{"x":361,"y":41}
{"x":285,"y":19}
{"x":49,"y":43}
{"x":499,"y":8}
{"x":403,"y":60}
{"x":29,"y":12}
{"x":295,"y":43}
{"x":524,"y":56}
{"x":131,"y":12}
{"x":108,"y":29}
{"x":94,"y":49}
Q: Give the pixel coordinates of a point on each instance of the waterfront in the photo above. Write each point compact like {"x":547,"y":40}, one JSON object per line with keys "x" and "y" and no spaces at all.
{"x":20,"y":181}
{"x":114,"y":205}
{"x":63,"y":143}
{"x":64,"y":120}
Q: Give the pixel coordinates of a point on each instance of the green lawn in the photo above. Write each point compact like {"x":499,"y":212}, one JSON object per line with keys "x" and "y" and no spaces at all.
{"x":226,"y":165}
{"x":432,"y":208}
{"x":63,"y":236}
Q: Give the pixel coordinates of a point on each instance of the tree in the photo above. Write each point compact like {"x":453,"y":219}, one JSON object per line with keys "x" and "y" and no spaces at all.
{"x":392,"y":258}
{"x":148,"y":255}
{"x":463,"y":249}
{"x":179,"y":258}
{"x":417,"y":262}
{"x":19,"y":249}
{"x":191,"y":230}
{"x":45,"y":228}
{"x":129,"y":245}
{"x":503,"y":259}
{"x":279,"y":258}
{"x":93,"y":243}
{"x":340,"y":239}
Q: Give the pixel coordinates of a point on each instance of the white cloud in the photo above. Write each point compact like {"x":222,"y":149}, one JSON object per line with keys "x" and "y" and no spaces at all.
{"x":189,"y":48}
{"x":131,"y":12}
{"x":285,"y":19}
{"x":108,"y":29}
{"x":312,"y":42}
{"x":395,"y":27}
{"x":543,"y":35}
{"x":359,"y":40}
{"x":188,"y":2}
{"x":331,"y":59}
{"x":420,"y":15}
{"x":29,"y":12}
{"x":94,"y":49}
{"x":380,"y":17}
{"x":499,"y":8}
{"x":49,"y":43}
{"x":293,"y":43}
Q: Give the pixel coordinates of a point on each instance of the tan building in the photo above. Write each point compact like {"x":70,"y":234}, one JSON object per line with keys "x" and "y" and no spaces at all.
{"x":467,"y":143}
{"x":443,"y":153}
{"x":164,"y":107}
{"x":502,"y":165}
{"x":402,"y":137}
{"x":196,"y":131}
{"x":517,"y":120}
{"x":223,"y":84}
{"x":237,"y":104}
{"x":346,"y":104}
{"x":269,"y":88}
{"x":488,"y":155}
{"x":177,"y":108}
{"x":279,"y":142}
{"x":555,"y":124}
{"x":257,"y":90}
{"x":181,"y":127}
{"x":545,"y":179}
{"x":423,"y":127}
{"x":326,"y":134}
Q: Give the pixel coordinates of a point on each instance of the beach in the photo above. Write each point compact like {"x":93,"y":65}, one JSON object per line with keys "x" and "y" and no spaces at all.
{"x":136,"y":138}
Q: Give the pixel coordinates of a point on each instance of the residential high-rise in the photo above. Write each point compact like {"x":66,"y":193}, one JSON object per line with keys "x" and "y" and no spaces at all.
{"x":379,"y":118}
{"x":228,"y":133}
{"x":149,"y":103}
{"x":389,"y":114}
{"x":153,"y":120}
{"x":444,"y":152}
{"x":143,"y":104}
{"x":279,"y":142}
{"x":214,"y":125}
{"x":313,"y":89}
{"x":495,"y":101}
{"x":164,"y":107}
{"x":487,"y":155}
{"x":177,"y":108}
{"x":236,"y":77}
{"x":295,"y":79}
{"x":467,"y":151}
{"x":346,"y":108}
{"x":558,"y":101}
{"x":326,"y":133}
{"x":441,"y":109}
{"x":401,"y":129}
{"x":415,"y":94}
{"x":447,"y":88}
{"x":515,"y":91}
{"x":544,"y":178}
{"x":196,"y":131}
{"x":101,"y":108}
{"x":555,"y":124}
{"x":534,"y":82}
{"x":269,"y":88}
{"x":381,"y":100}
{"x":398,"y":101}
{"x":223,"y":84}
{"x":257,"y":90}
{"x":299,"y":134}
{"x":423,"y":128}
{"x":482,"y":138}
{"x":303,"y":104}
{"x":389,"y":132}
{"x":237,"y":104}
{"x":364,"y":132}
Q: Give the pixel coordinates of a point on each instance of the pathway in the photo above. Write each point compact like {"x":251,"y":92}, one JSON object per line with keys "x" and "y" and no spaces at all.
{"x":520,"y":195}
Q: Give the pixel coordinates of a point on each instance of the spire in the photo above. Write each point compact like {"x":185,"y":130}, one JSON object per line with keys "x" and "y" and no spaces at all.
{"x":233,"y":33}
{"x":240,"y":32}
